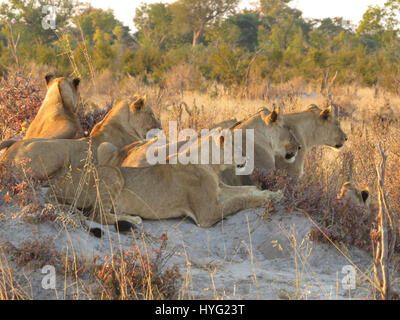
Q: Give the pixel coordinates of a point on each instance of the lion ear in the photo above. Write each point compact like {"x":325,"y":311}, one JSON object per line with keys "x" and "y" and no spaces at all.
{"x":326,"y":113}
{"x":313,"y":107}
{"x":365,"y":195}
{"x":76,"y":82}
{"x":49,"y":78}
{"x":274,"y":116}
{"x":139,"y":103}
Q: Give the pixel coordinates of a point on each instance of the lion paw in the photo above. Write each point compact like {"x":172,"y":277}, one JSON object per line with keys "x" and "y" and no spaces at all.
{"x":274,"y":196}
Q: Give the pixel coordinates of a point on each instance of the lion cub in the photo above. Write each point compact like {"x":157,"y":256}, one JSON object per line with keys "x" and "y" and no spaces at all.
{"x":162,"y":191}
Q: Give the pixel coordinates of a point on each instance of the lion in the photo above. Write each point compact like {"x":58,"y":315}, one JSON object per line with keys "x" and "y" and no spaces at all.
{"x":272,"y":138}
{"x":225,"y":124}
{"x":313,"y":127}
{"x":136,"y":153}
{"x":161,"y":191}
{"x":56,"y":118}
{"x":359,"y":197}
{"x":128,"y":121}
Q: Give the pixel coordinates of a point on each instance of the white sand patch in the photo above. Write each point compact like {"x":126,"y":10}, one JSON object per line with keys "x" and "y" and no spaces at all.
{"x":243,"y":257}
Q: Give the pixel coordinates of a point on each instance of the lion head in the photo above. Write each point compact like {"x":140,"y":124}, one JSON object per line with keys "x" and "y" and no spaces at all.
{"x":130,"y":119}
{"x":285,"y":143}
{"x":328,"y":127}
{"x":57,"y":118}
{"x":141,"y":117}
{"x":360,"y":197}
{"x":67,"y":88}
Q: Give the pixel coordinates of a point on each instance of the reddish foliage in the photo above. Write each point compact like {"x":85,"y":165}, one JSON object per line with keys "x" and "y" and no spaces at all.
{"x":90,"y":118}
{"x":35,"y":253}
{"x":337,"y":219}
{"x":21,"y":192}
{"x":135,"y":274}
{"x":20,"y":101}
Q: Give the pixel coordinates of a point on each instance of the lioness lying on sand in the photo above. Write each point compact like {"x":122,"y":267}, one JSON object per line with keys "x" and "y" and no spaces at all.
{"x":161,"y":191}
{"x":57,"y":118}
{"x":128,"y":121}
{"x":270,"y":135}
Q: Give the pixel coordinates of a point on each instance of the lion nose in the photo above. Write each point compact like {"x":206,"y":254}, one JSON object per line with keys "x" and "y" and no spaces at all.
{"x":289,"y":156}
{"x":346,"y":138}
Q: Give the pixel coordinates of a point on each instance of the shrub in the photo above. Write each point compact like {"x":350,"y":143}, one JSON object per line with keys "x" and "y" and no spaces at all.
{"x":337,"y":220}
{"x":21,"y":192}
{"x":135,"y":274}
{"x":90,"y":118}
{"x":20,"y":101}
{"x":35,"y":253}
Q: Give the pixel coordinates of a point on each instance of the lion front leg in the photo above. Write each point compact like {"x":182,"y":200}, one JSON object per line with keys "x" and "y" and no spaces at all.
{"x":295,"y":169}
{"x":227,"y":192}
{"x":234,"y":199}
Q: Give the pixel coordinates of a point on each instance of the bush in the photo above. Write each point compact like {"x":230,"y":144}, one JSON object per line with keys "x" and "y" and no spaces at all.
{"x":135,"y":274}
{"x":35,"y":253}
{"x":20,"y":192}
{"x":337,"y":220}
{"x":20,"y":101}
{"x":90,"y":118}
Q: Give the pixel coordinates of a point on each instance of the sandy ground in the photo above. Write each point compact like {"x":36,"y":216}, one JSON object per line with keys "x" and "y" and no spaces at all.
{"x":247,"y":256}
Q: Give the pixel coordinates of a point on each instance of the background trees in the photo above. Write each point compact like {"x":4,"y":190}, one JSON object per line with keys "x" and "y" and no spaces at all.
{"x":272,"y":42}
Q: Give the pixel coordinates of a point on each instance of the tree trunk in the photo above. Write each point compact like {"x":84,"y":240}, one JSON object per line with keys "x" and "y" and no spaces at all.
{"x":13,"y":45}
{"x":196,"y":36}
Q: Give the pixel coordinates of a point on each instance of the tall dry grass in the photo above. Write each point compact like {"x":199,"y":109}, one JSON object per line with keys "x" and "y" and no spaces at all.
{"x":368,"y":115}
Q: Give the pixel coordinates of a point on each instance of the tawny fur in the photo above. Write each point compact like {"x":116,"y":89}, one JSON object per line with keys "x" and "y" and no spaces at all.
{"x":128,"y":121}
{"x":359,"y":197}
{"x":313,"y":127}
{"x":160,"y":192}
{"x":271,"y":139}
{"x":56,"y":118}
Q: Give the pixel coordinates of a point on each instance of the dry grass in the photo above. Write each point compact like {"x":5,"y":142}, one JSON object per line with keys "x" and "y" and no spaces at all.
{"x":137,"y":274}
{"x":368,"y":115}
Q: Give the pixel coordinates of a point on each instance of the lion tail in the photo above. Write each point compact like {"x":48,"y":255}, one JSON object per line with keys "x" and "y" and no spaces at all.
{"x":7,"y":143}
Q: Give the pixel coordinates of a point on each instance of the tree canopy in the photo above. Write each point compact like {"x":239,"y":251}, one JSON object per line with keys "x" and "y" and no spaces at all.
{"x":270,"y":42}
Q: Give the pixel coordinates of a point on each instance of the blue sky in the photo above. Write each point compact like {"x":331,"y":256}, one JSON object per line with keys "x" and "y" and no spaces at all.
{"x":349,"y":9}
